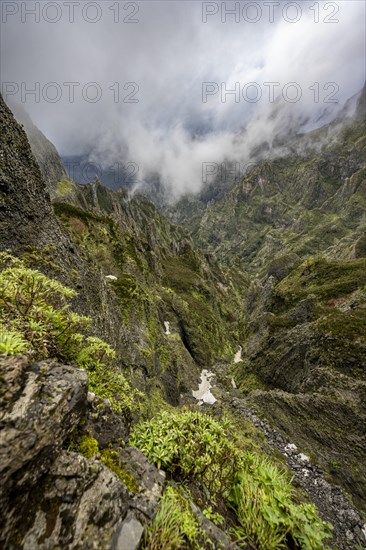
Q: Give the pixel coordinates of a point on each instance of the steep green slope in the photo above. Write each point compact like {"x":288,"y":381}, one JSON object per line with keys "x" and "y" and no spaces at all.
{"x":294,"y":204}
{"x":306,"y":344}
{"x":158,"y":278}
{"x":297,"y":225}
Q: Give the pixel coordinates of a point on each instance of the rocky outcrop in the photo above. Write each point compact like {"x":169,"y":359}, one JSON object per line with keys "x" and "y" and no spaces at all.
{"x":47,"y":157}
{"x":40,"y":405}
{"x":80,"y":504}
{"x":306,"y":346}
{"x":52,"y":497}
{"x":25,"y":207}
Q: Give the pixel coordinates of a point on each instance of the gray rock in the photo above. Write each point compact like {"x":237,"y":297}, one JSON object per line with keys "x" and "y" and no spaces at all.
{"x":81,"y":503}
{"x":151,"y":482}
{"x":44,"y":151}
{"x":53,"y":498}
{"x":129,"y":535}
{"x":43,"y":404}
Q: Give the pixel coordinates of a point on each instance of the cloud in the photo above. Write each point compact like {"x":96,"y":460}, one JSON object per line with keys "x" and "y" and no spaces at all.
{"x":169,"y":53}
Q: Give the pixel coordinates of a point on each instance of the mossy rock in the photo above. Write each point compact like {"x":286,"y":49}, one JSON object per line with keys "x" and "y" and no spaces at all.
{"x":360,"y":247}
{"x":64,"y":187}
{"x":281,"y":266}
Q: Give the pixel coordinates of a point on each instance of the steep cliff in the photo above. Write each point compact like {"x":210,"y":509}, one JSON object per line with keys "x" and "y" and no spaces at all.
{"x":45,"y":153}
{"x":120,"y":256}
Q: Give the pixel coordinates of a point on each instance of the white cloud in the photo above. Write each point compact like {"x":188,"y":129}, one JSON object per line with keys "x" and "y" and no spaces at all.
{"x":169,"y":54}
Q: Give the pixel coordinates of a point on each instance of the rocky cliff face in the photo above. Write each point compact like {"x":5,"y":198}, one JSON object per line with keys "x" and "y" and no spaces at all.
{"x":29,"y":227}
{"x":51,"y":496}
{"x":26,"y":211}
{"x":45,"y":153}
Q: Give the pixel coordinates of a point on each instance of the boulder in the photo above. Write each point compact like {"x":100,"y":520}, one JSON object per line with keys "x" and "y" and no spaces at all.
{"x":50,"y":496}
{"x":41,"y":403}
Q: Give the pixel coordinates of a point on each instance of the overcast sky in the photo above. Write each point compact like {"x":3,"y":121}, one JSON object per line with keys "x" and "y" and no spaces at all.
{"x":167,"y":51}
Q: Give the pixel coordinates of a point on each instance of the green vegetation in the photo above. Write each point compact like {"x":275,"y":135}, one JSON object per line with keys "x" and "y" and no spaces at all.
{"x":64,"y":187}
{"x":174,"y":526}
{"x":189,"y":445}
{"x":69,"y":210}
{"x":216,"y":518}
{"x":324,"y":279}
{"x":111,"y":458}
{"x":196,"y":451}
{"x":350,"y":325}
{"x":35,"y":318}
{"x":88,"y":447}
{"x":249,"y":381}
{"x":262,"y":498}
{"x":36,"y":307}
{"x":12,"y":343}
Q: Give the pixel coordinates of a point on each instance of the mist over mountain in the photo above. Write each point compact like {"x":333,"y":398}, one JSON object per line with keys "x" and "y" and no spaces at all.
{"x":164,"y":96}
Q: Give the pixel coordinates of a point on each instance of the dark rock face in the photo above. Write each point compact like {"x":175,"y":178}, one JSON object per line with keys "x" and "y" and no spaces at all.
{"x":28,"y":224}
{"x":25,"y":208}
{"x":45,"y":152}
{"x":306,"y":345}
{"x":51,"y":497}
{"x":80,"y":504}
{"x":41,"y":404}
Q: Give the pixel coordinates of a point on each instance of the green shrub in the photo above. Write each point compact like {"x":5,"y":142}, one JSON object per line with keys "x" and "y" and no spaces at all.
{"x":36,"y":318}
{"x":262,"y":498}
{"x":64,"y":187}
{"x":195,"y":448}
{"x":213,"y":516}
{"x":35,"y":307}
{"x":189,"y":445}
{"x":174,"y":526}
{"x":12,"y":343}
